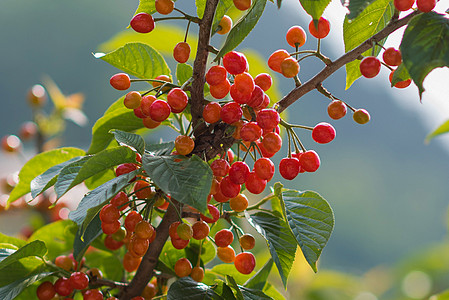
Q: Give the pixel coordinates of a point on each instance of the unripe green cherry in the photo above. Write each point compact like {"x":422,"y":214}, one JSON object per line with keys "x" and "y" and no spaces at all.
{"x":184,"y":231}
{"x":361,"y":116}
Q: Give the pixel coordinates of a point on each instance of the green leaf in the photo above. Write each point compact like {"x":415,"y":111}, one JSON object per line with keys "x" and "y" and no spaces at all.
{"x":83,"y":240}
{"x":200,"y":7}
{"x":79,"y":171}
{"x":35,"y":248}
{"x":98,"y":197}
{"x":161,"y":149}
{"x":373,"y":19}
{"x":242,"y":28}
{"x":21,"y":269}
{"x":311,"y":220}
{"x":314,"y":8}
{"x":44,"y":181}
{"x":259,"y":280}
{"x":12,"y":290}
{"x":133,"y":140}
{"x":57,"y":237}
{"x":233,"y":285}
{"x":109,"y":264}
{"x":425,"y":46}
{"x":188,"y":180}
{"x":400,"y":74}
{"x":229,"y":269}
{"x":119,"y":118}
{"x":140,"y":60}
{"x":223,"y":290}
{"x":222,"y":7}
{"x":39,"y":164}
{"x":251,"y":294}
{"x":12,"y":240}
{"x":272,"y":292}
{"x":442,"y":129}
{"x":279,"y":238}
{"x":188,"y":289}
{"x":355,"y":7}
{"x":183,"y":73}
{"x":98,"y":179}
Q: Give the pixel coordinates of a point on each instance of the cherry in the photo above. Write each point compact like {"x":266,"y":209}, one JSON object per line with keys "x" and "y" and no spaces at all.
{"x":79,"y":280}
{"x":110,"y":228}
{"x":400,"y":84}
{"x":179,"y":243}
{"x":245,"y":262}
{"x":426,"y":5}
{"x":244,"y":82}
{"x":336,"y":109}
{"x":226,"y":254}
{"x":361,"y":116}
{"x":138,"y":246}
{"x":143,"y":190}
{"x":242,"y":4}
{"x":200,"y":230}
{"x":125,"y":169}
{"x":214,"y":212}
{"x":94,"y":273}
{"x":289,"y":67}
{"x":220,"y":167}
{"x":264,"y":152}
{"x":142,"y":23}
{"x":225,"y":25}
{"x":109,"y":214}
{"x":111,"y":243}
{"x":219,"y":91}
{"x":131,"y":220}
{"x":239,"y":96}
{"x":45,"y":291}
{"x":145,"y":104}
{"x":276,"y":58}
{"x":272,"y":142}
{"x":165,"y":78}
{"x":164,"y":7}
{"x":296,"y":36}
{"x":289,"y":167}
{"x":120,"y":81}
{"x":231,"y":112}
{"x":268,"y":119}
{"x":63,"y":287}
{"x":184,"y":144}
{"x":264,"y":168}
{"x":173,"y":230}
{"x":93,"y":295}
{"x":257,"y":97}
{"x":264,"y":81}
{"x":36,"y":96}
{"x":239,"y":203}
{"x":320,"y":31}
{"x":250,"y":132}
{"x":119,"y":235}
{"x":403,"y":5}
{"x":177,"y":99}
{"x":228,"y":188}
{"x":184,"y":231}
{"x":323,"y":133}
{"x":223,"y":238}
{"x":130,"y":262}
{"x":254,"y":184}
{"x":235,"y":62}
{"x":120,"y":200}
{"x":183,"y":267}
{"x":150,"y":123}
{"x":197,"y":274}
{"x":138,"y":113}
{"x":215,"y":186}
{"x":11,"y":143}
{"x":181,"y":52}
{"x":150,"y":290}
{"x":211,"y":112}
{"x":370,"y":66}
{"x":310,"y":161}
{"x":132,"y":100}
{"x":28,"y":130}
{"x":392,"y":57}
{"x":247,"y":241}
{"x":238,"y":172}
{"x":159,"y":110}
{"x":264,"y":104}
{"x":144,"y":230}
{"x":216,"y":75}
{"x":64,"y":262}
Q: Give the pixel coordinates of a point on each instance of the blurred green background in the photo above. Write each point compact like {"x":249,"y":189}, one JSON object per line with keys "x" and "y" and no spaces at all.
{"x":388,"y":190}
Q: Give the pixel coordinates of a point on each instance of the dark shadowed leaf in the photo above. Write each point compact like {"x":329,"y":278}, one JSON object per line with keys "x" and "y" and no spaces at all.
{"x":188,"y":289}
{"x":400,"y":74}
{"x":259,"y":280}
{"x":83,"y":240}
{"x":12,"y":290}
{"x":161,"y":149}
{"x":356,"y":7}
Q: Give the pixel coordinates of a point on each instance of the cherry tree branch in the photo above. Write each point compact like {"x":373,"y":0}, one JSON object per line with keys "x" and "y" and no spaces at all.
{"x":348,"y":57}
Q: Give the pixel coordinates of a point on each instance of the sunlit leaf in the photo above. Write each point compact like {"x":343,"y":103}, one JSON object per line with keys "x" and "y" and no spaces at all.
{"x":135,"y":141}
{"x":442,"y":129}
{"x":34,"y":248}
{"x":12,"y":290}
{"x":314,"y":8}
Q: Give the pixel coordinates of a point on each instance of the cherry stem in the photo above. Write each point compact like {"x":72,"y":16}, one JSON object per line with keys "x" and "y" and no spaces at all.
{"x":389,"y":67}
{"x":289,"y":143}
{"x":260,"y":203}
{"x":299,"y":141}
{"x":187,"y":31}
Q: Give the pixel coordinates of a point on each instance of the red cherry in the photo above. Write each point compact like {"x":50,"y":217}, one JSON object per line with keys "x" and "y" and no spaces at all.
{"x":63,"y":287}
{"x":125,"y":169}
{"x":79,"y":280}
{"x":231,"y":112}
{"x":310,"y":161}
{"x":220,"y":167}
{"x":323,"y":133}
{"x":320,"y":31}
{"x":131,"y":220}
{"x":403,"y":5}
{"x":235,"y":62}
{"x":400,"y":84}
{"x":229,"y":188}
{"x":289,"y":168}
{"x":159,"y":110}
{"x":336,"y":109}
{"x":177,"y":99}
{"x":181,"y":52}
{"x":109,"y":213}
{"x":145,"y":104}
{"x":239,"y":96}
{"x":250,"y":132}
{"x":93,"y":295}
{"x":219,"y":197}
{"x":257,"y":97}
{"x":238,"y":172}
{"x":245,"y":262}
{"x":264,"y":168}
{"x":214,"y":212}
{"x":264,"y":81}
{"x":120,"y":81}
{"x":211,"y":112}
{"x":426,"y":5}
{"x":254,"y":184}
{"x":120,"y":201}
{"x":112,"y":244}
{"x":392,"y":57}
{"x":370,"y":66}
{"x":216,"y":75}
{"x":45,"y":291}
{"x":268,"y":119}
{"x":142,"y":23}
{"x":220,"y":90}
{"x":223,"y":238}
{"x":272,"y":142}
{"x":110,"y":228}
